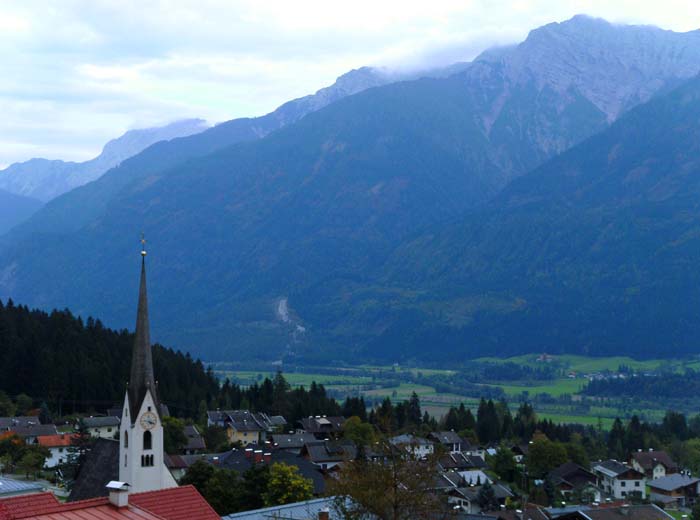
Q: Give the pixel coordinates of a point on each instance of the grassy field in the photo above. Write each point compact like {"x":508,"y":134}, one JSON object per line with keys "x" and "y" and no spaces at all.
{"x":244,"y":377}
{"x":554,"y":388}
{"x":366,"y":380}
{"x":595,"y":364}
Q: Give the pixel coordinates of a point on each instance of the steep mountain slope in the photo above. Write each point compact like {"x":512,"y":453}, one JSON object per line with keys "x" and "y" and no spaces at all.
{"x":14,"y":209}
{"x":309,"y":214}
{"x":593,"y":252}
{"x":45,"y":179}
{"x":326,"y":197}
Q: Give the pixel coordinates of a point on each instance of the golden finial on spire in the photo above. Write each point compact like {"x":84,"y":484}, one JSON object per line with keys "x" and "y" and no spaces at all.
{"x":143,"y":245}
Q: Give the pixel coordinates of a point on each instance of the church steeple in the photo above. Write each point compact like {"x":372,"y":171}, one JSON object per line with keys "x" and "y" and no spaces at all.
{"x":141,"y":453}
{"x":142,"y":378}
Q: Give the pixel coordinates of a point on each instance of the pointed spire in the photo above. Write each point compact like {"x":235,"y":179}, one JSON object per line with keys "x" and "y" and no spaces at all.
{"x":142,"y":378}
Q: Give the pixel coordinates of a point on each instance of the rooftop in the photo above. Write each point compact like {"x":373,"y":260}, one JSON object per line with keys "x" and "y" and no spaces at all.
{"x":179,"y":503}
{"x":100,"y":422}
{"x":9,"y":487}
{"x":307,"y":510}
{"x":56,"y":441}
{"x":672,"y":482}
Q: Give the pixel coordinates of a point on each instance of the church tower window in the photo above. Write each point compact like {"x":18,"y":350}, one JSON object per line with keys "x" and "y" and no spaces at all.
{"x":147,"y":441}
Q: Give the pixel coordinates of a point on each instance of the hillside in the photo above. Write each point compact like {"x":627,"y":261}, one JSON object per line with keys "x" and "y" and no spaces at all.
{"x":296,"y":243}
{"x":57,"y":356}
{"x":15,"y":209}
{"x":593,"y":252}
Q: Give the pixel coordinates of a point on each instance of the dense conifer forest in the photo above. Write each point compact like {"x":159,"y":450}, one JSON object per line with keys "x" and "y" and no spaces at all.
{"x":79,"y":365}
{"x":76,"y":365}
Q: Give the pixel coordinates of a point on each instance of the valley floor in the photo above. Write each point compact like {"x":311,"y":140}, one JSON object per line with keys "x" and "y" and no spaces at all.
{"x":557,"y":395}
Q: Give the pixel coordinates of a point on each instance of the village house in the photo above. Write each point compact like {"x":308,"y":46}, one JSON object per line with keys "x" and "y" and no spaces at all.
{"x":635,"y":512}
{"x":30,"y":432}
{"x":245,"y":427}
{"x":58,"y":446}
{"x":9,"y":423}
{"x":676,"y":490}
{"x":292,"y":442}
{"x":450,"y":440}
{"x":519,"y":452}
{"x":618,"y":480}
{"x":322,"y":426}
{"x":104,"y":427}
{"x":10,"y":487}
{"x":328,"y":454}
{"x":654,"y":464}
{"x":317,"y":509}
{"x":570,"y":479}
{"x":463,"y":494}
{"x":195,"y":441}
{"x":460,"y":461}
{"x":417,"y":446}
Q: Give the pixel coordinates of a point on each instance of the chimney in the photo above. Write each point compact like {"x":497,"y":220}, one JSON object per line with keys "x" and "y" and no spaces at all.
{"x":267,"y":457}
{"x":118,"y":493}
{"x":249,"y":453}
{"x":323,"y":514}
{"x":258,"y":456}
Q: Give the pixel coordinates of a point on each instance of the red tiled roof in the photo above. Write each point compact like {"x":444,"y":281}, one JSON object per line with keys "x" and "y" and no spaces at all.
{"x":54,"y":441}
{"x":21,"y":506}
{"x":179,"y":503}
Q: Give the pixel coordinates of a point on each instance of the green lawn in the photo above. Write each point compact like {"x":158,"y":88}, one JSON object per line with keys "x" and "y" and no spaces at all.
{"x":364,"y":378}
{"x":294,"y":378}
{"x":596,"y":364}
{"x":554,"y":388}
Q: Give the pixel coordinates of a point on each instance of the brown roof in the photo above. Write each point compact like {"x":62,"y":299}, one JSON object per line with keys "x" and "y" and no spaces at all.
{"x":55,"y":441}
{"x":649,"y":459}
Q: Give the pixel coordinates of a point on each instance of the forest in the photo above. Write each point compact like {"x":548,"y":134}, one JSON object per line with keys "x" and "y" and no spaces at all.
{"x":75,"y":366}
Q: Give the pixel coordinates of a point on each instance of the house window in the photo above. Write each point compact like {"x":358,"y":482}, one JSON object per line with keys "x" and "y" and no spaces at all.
{"x":109,"y":430}
{"x":60,"y":450}
{"x":636,"y":483}
{"x":623,"y":484}
{"x":126,"y":440}
{"x":147,"y":441}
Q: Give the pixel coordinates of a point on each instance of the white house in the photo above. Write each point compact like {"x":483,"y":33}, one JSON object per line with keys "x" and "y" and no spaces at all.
{"x":59,"y":447}
{"x":417,"y":446}
{"x":618,"y":480}
{"x":103,"y":427}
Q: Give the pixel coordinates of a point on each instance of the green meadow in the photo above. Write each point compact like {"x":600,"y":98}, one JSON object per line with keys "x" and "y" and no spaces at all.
{"x":376,"y":382}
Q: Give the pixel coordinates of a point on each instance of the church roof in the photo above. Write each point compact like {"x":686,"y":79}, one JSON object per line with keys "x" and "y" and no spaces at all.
{"x":142,"y":378}
{"x":100,"y":466}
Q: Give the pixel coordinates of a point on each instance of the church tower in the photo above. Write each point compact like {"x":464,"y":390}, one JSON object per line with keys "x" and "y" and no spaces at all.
{"x":141,"y":455}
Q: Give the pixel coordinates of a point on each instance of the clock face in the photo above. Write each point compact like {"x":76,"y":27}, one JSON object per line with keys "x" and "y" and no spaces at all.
{"x":149,"y":420}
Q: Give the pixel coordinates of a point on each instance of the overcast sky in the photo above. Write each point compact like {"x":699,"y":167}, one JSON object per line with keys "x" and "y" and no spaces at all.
{"x":74,"y":74}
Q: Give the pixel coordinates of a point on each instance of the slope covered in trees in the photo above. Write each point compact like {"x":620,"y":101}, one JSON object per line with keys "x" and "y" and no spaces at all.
{"x":57,"y":357}
{"x":594,"y":252}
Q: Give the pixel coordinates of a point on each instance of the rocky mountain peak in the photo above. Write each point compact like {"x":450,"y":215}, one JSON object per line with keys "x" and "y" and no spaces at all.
{"x":613,"y":66}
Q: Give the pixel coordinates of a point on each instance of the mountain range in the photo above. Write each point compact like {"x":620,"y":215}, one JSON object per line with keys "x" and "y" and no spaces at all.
{"x":537,"y":198}
{"x":45,"y":179}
